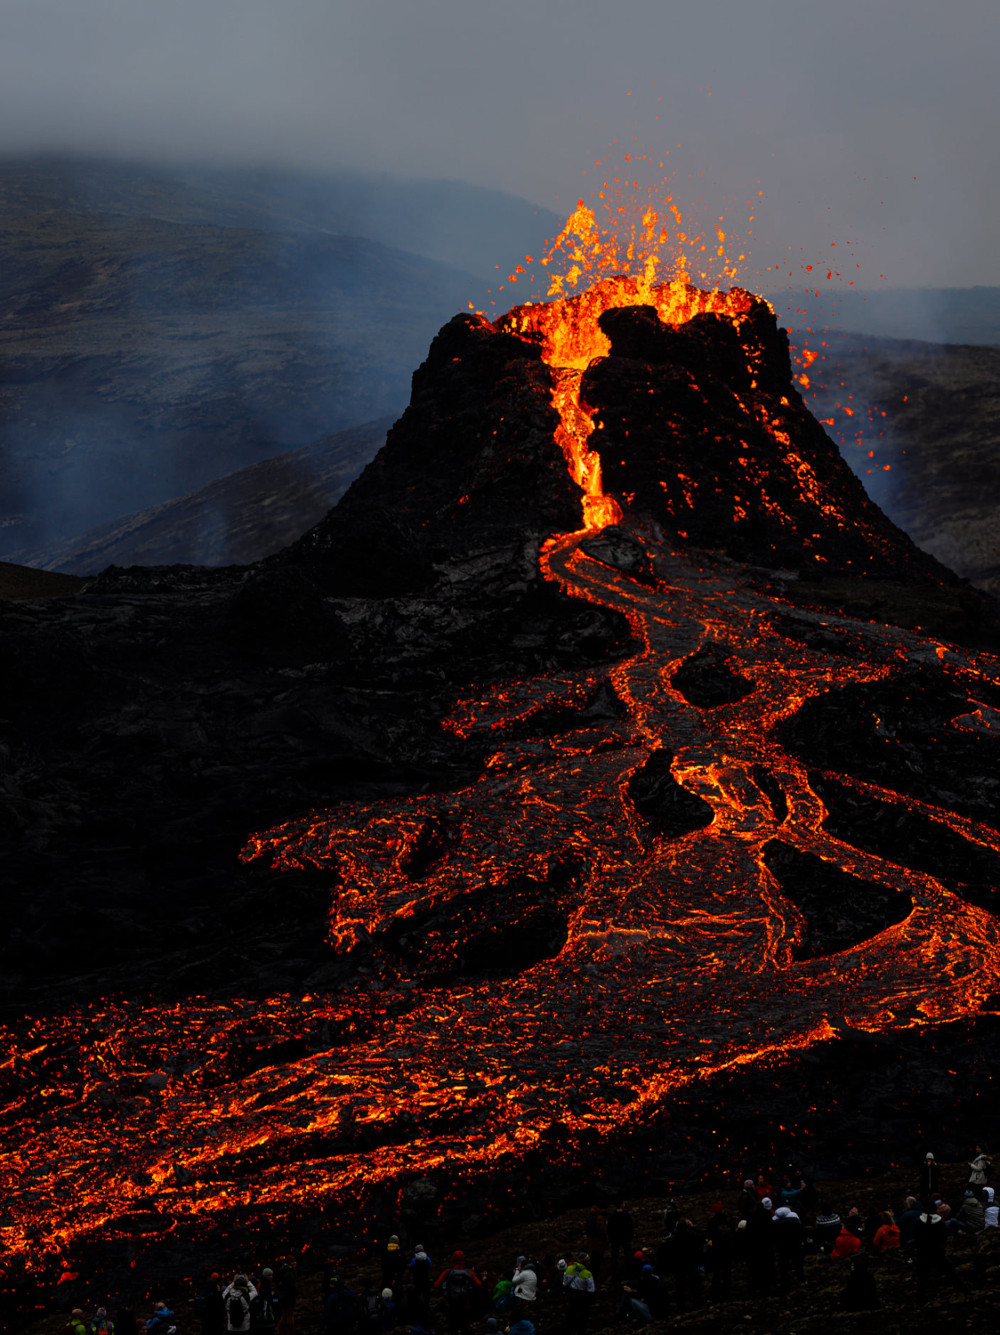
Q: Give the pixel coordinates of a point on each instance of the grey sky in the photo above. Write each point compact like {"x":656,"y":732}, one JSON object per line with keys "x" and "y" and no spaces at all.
{"x":834,"y":107}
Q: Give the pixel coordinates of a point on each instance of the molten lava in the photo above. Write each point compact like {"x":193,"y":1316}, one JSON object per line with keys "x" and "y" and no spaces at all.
{"x":676,"y":958}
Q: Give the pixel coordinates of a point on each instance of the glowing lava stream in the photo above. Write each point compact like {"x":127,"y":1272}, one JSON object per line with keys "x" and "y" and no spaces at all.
{"x":677,"y":962}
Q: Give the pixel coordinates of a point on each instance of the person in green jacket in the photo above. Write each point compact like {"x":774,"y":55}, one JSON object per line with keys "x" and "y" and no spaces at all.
{"x":76,"y":1324}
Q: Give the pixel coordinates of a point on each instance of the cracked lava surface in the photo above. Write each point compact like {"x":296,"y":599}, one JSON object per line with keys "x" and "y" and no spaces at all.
{"x":678,"y":959}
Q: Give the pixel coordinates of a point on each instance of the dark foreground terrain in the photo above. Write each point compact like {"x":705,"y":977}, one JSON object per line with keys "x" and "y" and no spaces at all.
{"x":696,"y":857}
{"x":814,"y":1306}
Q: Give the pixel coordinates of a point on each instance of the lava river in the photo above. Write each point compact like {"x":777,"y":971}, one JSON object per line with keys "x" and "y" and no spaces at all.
{"x":678,"y":961}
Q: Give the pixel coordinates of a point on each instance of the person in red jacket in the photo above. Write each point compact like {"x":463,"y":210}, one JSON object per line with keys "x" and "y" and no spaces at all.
{"x":886,"y":1237}
{"x":846,"y":1246}
{"x":460,"y":1285}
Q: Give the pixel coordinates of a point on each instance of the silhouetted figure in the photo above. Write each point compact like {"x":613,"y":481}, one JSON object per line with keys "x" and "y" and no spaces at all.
{"x":721,"y":1238}
{"x":596,"y":1229}
{"x":860,"y":1292}
{"x":340,"y":1312}
{"x":758,"y":1246}
{"x":621,"y":1230}
{"x":393,"y":1262}
{"x":211,"y":1308}
{"x":789,"y":1246}
{"x":930,"y":1177}
{"x":421,"y":1268}
{"x":688,"y":1250}
{"x":930,"y":1241}
{"x":288,"y":1296}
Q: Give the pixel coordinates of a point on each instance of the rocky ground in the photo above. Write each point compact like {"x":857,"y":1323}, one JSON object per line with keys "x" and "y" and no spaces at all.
{"x":816,"y":1306}
{"x":157,"y":718}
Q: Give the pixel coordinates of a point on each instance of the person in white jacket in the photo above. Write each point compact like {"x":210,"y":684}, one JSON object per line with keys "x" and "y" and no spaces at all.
{"x":525,"y":1281}
{"x":236,"y":1300}
{"x":979,"y":1168}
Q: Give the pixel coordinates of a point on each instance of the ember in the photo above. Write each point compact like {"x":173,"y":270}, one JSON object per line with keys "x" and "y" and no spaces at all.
{"x":612,"y":941}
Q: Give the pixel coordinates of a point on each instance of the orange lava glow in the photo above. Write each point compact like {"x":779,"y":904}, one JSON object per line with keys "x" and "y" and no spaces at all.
{"x":571,"y":337}
{"x":678,"y":962}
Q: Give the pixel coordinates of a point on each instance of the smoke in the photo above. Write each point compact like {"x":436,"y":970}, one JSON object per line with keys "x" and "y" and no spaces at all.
{"x":868,"y":123}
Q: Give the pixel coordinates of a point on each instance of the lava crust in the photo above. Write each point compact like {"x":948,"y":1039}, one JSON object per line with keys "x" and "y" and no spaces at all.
{"x":542,"y":854}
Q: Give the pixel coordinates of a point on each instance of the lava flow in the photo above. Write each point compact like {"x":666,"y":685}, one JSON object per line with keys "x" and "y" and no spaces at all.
{"x":647,"y":951}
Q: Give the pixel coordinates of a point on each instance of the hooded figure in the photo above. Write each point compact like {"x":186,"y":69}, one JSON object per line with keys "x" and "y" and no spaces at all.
{"x":971,"y":1213}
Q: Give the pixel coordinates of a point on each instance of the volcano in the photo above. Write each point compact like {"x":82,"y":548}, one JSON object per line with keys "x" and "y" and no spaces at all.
{"x":581,"y":821}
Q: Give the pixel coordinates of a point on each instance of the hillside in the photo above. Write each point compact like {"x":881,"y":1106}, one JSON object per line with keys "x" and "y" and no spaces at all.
{"x":931,"y":413}
{"x":159,"y":330}
{"x":234,"y":520}
{"x":931,"y":314}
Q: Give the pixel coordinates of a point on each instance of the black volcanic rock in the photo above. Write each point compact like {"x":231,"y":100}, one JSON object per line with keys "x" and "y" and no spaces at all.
{"x":663,"y":802}
{"x":840,"y":910}
{"x":706,"y":680}
{"x":471,"y":464}
{"x":701,"y":427}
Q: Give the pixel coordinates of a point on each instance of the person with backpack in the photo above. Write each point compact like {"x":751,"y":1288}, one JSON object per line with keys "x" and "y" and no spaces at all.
{"x":579,"y":1287}
{"x":979,"y":1168}
{"x":76,"y":1324}
{"x":237,"y":1298}
{"x":161,"y":1322}
{"x":373,"y":1312}
{"x":340,"y":1312}
{"x":420,"y":1268}
{"x":102,"y":1323}
{"x":460,"y":1285}
{"x":502,"y":1297}
{"x":390,"y":1309}
{"x":525,"y":1282}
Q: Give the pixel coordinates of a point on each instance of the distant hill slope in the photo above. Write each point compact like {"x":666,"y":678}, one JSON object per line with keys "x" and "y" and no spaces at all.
{"x":234,"y":520}
{"x":935,"y":468}
{"x":160,"y":329}
{"x":464,"y":226}
{"x":930,"y":314}
{"x":18,"y":583}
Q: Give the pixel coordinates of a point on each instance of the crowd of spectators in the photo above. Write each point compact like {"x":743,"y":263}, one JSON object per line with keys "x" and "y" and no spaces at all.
{"x":764,"y":1244}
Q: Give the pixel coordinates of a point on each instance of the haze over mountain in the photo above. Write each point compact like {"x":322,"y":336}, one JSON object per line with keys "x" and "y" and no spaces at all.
{"x":160,"y":328}
{"x":930,"y":314}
